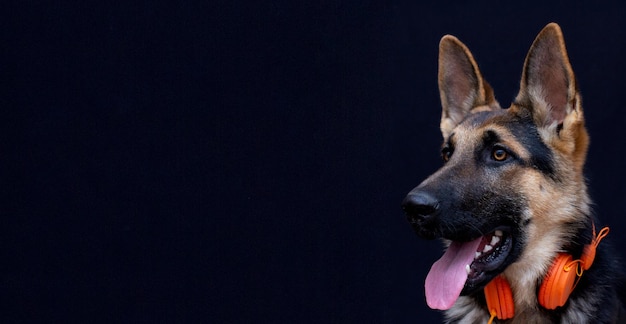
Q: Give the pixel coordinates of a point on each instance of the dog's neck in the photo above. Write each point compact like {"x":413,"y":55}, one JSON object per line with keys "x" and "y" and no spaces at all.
{"x":557,"y":284}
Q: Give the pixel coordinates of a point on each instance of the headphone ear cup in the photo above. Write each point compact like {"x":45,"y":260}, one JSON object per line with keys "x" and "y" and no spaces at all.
{"x":500,"y":298}
{"x":558,"y":283}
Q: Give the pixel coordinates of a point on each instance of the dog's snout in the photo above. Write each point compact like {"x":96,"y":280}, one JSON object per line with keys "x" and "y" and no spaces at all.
{"x":420,"y":205}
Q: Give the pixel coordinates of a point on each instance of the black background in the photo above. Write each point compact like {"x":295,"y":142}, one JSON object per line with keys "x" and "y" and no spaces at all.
{"x":245,"y":162}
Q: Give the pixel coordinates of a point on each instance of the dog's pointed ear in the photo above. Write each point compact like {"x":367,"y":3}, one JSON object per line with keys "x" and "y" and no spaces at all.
{"x":548,"y":85}
{"x":461,"y":85}
{"x":549,"y":91}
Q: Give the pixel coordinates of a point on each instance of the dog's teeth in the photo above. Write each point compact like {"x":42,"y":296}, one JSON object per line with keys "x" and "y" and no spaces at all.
{"x":487,"y":248}
{"x":498,"y":233}
{"x":477,"y":255}
{"x":467,"y":268}
{"x":495,"y":240}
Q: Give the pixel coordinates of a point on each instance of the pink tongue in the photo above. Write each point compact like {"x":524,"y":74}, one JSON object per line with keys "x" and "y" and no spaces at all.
{"x":447,"y":276}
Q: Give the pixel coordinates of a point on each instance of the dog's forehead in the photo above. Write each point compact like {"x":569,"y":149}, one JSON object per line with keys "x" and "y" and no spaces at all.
{"x":482,"y":118}
{"x":479,"y":120}
{"x":502,"y":122}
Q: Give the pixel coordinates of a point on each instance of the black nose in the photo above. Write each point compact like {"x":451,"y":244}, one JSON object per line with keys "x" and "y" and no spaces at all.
{"x":420,"y":206}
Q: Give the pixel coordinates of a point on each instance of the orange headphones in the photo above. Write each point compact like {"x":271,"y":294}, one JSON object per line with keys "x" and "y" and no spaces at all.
{"x":556,"y":287}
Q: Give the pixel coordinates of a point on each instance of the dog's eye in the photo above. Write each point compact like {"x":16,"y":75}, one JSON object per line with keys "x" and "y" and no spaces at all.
{"x":499,"y":154}
{"x":446,"y":153}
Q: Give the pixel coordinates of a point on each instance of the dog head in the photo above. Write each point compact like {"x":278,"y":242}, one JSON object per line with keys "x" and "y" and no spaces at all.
{"x":511,"y":178}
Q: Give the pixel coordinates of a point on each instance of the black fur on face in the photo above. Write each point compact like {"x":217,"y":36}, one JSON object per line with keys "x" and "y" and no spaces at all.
{"x":475,"y":192}
{"x":525,"y":132}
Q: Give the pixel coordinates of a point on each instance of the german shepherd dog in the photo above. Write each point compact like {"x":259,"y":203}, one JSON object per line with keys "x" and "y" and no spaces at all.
{"x":510,"y":201}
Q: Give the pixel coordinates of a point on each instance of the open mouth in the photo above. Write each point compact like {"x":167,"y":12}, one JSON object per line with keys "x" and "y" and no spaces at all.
{"x":466,"y":267}
{"x":490,"y":255}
